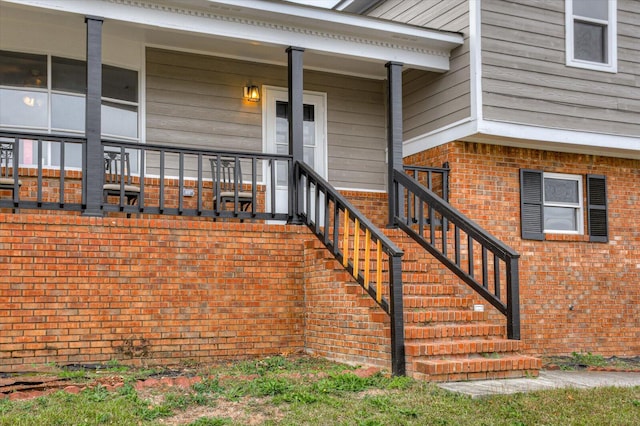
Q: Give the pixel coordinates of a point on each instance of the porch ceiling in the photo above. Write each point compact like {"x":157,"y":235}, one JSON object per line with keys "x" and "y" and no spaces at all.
{"x":260,"y":30}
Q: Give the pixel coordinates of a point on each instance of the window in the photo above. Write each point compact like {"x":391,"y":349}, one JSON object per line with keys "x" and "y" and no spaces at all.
{"x":591,"y":34}
{"x":552,"y":203}
{"x":47,"y":94}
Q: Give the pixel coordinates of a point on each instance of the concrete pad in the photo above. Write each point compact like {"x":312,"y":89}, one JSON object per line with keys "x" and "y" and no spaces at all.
{"x":547,"y":380}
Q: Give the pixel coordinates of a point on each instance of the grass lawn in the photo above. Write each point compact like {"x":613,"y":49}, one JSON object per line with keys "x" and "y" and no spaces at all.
{"x":308,"y":391}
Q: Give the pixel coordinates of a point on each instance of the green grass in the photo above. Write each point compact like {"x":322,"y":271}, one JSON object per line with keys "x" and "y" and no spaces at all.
{"x":310,"y":391}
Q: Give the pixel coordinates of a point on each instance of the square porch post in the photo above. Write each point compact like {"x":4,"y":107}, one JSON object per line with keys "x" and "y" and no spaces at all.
{"x":394,"y":136}
{"x":296,"y":142}
{"x":93,"y":175}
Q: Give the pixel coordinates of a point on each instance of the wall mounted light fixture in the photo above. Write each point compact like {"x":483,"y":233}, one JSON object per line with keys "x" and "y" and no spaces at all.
{"x":252,"y":93}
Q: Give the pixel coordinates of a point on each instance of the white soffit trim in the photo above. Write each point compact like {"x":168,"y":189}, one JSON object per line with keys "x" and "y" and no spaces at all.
{"x":453,"y":132}
{"x":278,"y":23}
{"x":575,"y":141}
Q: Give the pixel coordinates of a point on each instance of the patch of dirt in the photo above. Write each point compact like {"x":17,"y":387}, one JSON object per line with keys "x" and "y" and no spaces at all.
{"x":247,"y":411}
{"x":621,"y":364}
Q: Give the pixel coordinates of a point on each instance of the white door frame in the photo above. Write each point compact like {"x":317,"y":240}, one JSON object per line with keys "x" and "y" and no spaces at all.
{"x":273,"y":94}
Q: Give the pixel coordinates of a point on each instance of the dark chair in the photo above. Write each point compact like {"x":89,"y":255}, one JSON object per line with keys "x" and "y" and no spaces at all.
{"x":7,"y":170}
{"x":227,"y":180}
{"x":118,"y":171}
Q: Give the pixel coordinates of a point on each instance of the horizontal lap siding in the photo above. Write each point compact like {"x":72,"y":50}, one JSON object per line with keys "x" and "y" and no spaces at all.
{"x":433,"y":100}
{"x":525,"y":79}
{"x":196,"y":101}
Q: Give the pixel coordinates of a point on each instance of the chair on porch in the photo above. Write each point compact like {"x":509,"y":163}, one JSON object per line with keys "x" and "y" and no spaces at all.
{"x":117,"y":171}
{"x":7,"y":171}
{"x":227,"y":177}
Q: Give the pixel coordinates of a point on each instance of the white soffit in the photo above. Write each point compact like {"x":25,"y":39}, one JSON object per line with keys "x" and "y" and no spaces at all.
{"x":273,"y":23}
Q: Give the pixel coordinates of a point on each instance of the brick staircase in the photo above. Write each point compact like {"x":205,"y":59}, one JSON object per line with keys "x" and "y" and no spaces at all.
{"x":445,"y":338}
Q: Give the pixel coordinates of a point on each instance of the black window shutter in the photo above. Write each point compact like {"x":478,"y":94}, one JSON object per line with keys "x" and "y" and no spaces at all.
{"x":531,"y":204}
{"x":597,"y":208}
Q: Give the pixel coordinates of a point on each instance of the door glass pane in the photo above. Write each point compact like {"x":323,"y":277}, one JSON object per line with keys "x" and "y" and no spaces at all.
{"x":68,"y":75}
{"x":67,"y":112}
{"x":309,"y":155}
{"x":119,"y":120}
{"x":23,"y":69}
{"x":597,"y":9}
{"x":589,"y":41}
{"x":561,"y":191}
{"x":23,"y":108}
{"x":560,"y":219}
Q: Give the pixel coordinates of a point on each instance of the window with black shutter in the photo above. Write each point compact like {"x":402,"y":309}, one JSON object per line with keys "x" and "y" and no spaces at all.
{"x":552,"y":203}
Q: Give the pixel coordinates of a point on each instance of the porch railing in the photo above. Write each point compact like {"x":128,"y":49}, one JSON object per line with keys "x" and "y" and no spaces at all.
{"x":363,"y":250}
{"x":479,"y":259}
{"x":47,"y":172}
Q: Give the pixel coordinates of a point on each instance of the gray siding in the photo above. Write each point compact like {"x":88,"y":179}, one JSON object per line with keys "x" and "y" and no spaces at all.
{"x":195,"y":101}
{"x":525,"y":79}
{"x":433,"y":100}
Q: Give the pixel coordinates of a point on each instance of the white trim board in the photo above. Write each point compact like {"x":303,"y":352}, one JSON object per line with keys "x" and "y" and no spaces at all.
{"x":527,"y":136}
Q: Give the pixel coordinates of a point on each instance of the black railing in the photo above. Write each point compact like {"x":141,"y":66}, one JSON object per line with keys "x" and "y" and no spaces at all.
{"x":46,"y":171}
{"x":364,"y":251}
{"x":434,"y":178}
{"x":186,"y":182}
{"x":479,"y":259}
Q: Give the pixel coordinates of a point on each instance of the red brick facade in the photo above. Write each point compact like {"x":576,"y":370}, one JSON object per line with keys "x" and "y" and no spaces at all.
{"x":576,"y":296}
{"x":86,"y":290}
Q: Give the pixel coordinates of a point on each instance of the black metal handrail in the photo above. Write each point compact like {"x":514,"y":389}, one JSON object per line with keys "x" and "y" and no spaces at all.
{"x":427,"y":220}
{"x":331,"y":218}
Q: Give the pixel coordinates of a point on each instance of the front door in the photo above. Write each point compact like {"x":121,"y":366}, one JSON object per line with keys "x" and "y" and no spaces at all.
{"x":276,"y":136}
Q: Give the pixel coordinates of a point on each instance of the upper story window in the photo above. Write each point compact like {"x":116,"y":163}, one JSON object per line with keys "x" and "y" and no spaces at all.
{"x":591,"y":34}
{"x":47,"y":94}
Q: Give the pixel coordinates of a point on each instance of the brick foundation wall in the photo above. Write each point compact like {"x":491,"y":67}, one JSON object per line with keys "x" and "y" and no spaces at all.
{"x":341,"y":321}
{"x":576,"y":296}
{"x":144,"y":291}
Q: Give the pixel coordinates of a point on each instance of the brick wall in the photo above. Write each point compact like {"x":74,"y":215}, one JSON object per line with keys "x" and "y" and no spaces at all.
{"x":87,"y":290}
{"x":576,"y":296}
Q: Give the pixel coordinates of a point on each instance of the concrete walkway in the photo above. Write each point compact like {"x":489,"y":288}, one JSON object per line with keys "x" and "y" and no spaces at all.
{"x":548,"y":379}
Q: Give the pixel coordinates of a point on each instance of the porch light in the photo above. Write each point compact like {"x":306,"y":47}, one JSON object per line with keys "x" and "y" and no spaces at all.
{"x":252,"y":93}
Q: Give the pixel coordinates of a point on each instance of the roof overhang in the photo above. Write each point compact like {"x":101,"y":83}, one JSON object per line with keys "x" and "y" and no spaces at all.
{"x":333,"y":40}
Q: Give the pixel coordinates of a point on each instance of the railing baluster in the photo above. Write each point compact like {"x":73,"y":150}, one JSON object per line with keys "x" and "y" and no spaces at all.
{"x":325,"y":234}
{"x":367,"y":257}
{"x":471,"y":261}
{"x":161,"y":181}
{"x":200,"y":184}
{"x":485,"y":277}
{"x":456,"y":233}
{"x":356,"y":247}
{"x":62,"y":165}
{"x":379,"y":271}
{"x":40,"y":165}
{"x":180,"y":182}
{"x":496,"y":275}
{"x":345,"y":243}
{"x":141,"y":175}
{"x":254,"y":185}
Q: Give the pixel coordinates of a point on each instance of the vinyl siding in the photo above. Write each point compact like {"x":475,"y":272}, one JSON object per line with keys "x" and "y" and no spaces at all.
{"x":525,"y":79}
{"x":433,"y":100}
{"x":195,"y":101}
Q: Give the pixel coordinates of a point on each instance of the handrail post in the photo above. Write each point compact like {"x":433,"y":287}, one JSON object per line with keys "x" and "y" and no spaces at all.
{"x":398,"y":366}
{"x":513,"y":299}
{"x":93,"y":160}
{"x":394,"y":137}
{"x":296,"y":134}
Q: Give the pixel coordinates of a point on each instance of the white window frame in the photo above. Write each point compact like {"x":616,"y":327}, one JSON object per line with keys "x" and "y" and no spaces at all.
{"x":611,"y":55}
{"x":579,"y":206}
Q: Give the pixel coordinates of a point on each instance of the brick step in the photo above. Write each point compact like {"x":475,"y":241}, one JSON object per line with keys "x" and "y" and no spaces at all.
{"x":477,"y":368}
{"x":428,"y":289}
{"x":461,"y":347}
{"x":430,"y":316}
{"x":440,"y":331}
{"x":411,"y":302}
